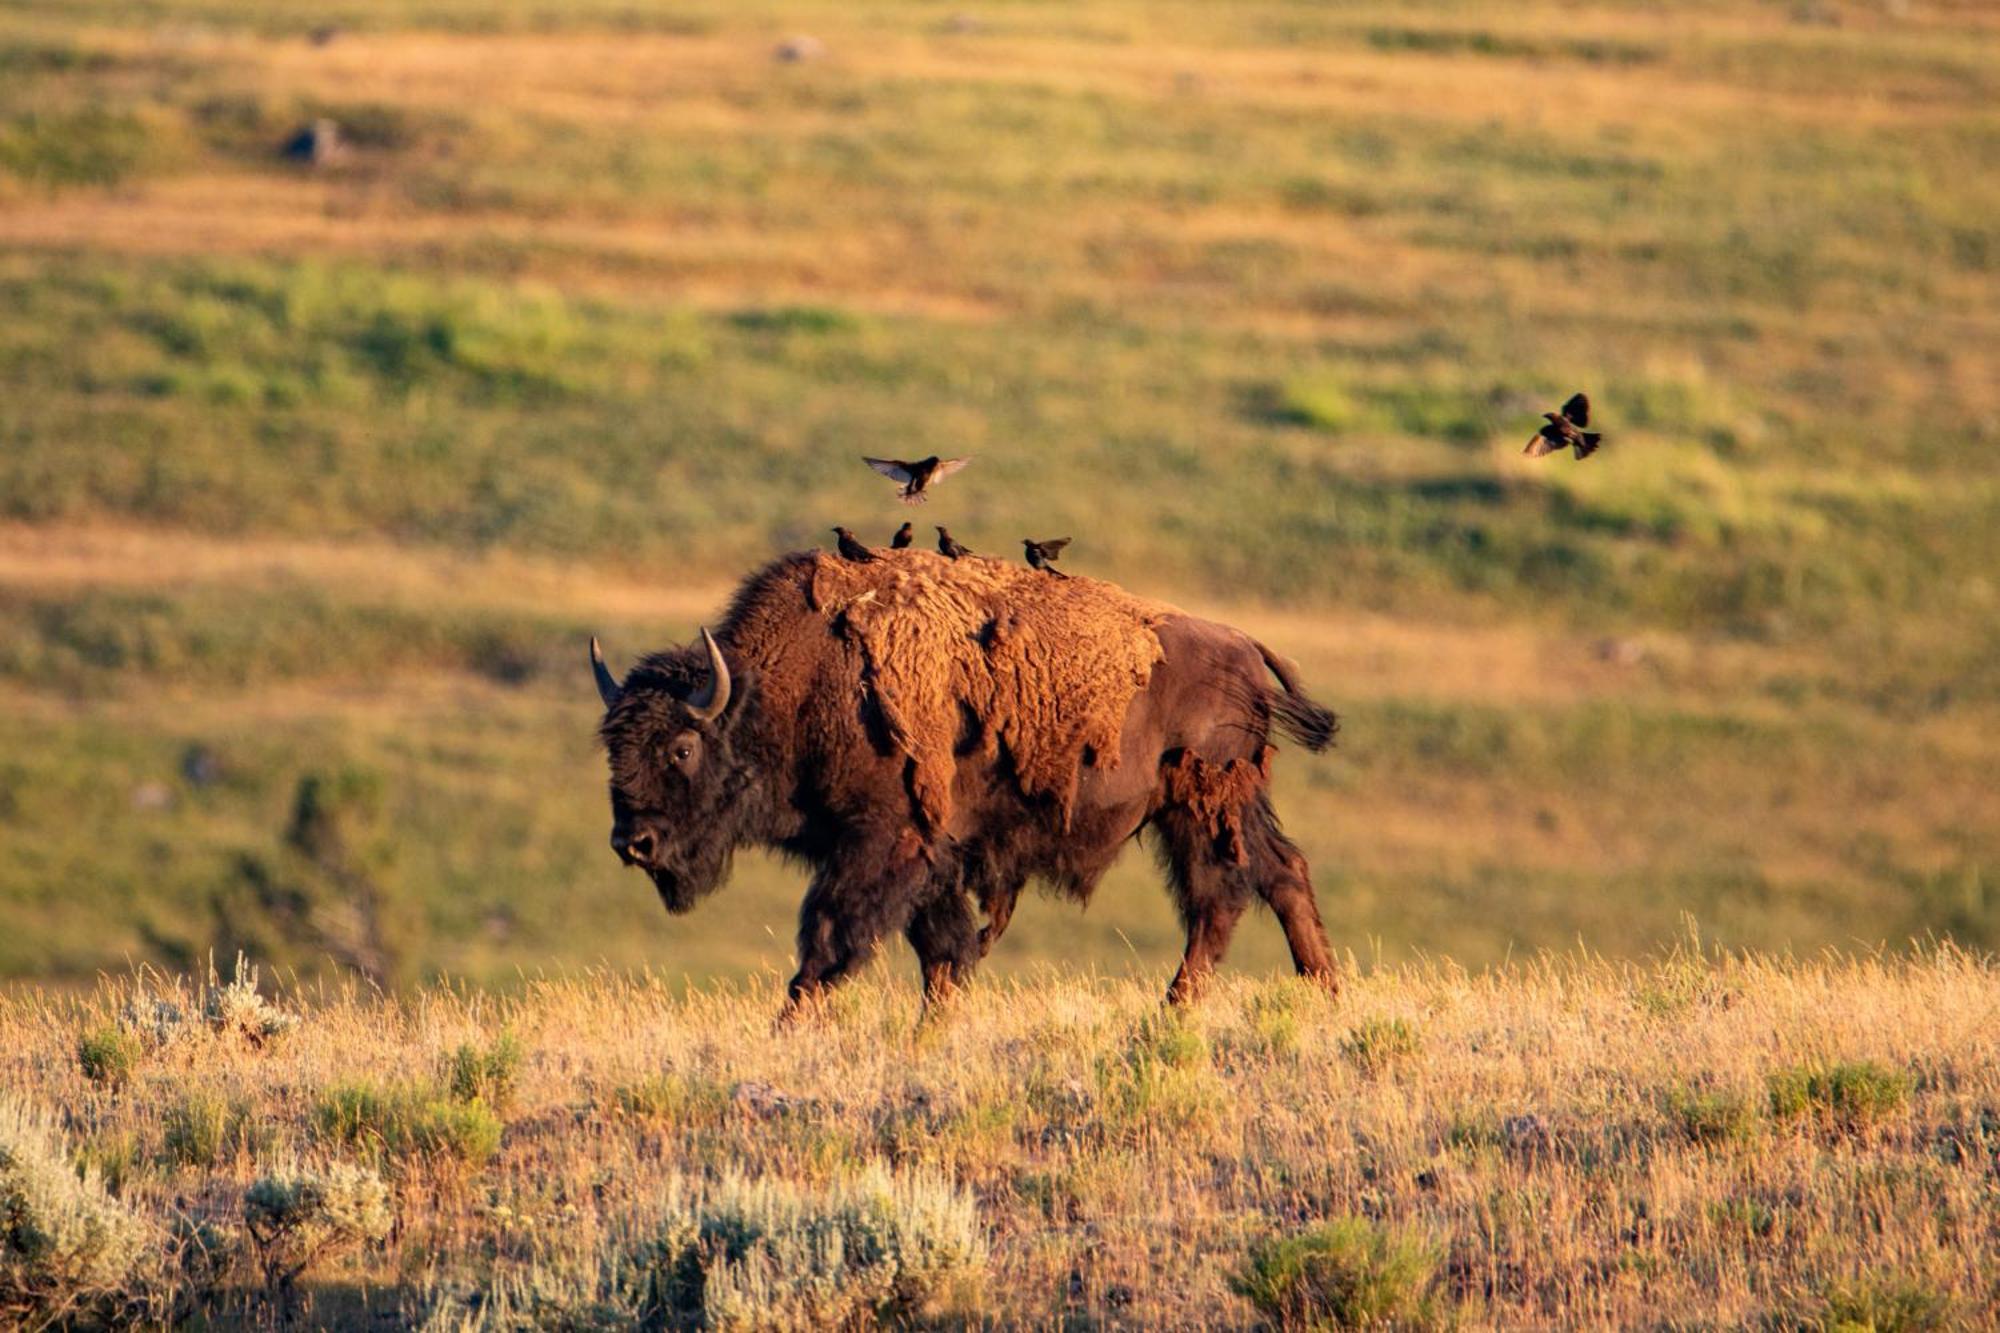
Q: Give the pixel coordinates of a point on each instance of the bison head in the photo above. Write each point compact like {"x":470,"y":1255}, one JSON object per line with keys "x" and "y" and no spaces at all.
{"x":675,"y":779}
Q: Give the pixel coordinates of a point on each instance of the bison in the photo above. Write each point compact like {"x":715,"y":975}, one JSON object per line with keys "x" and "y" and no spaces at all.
{"x":926,"y":735}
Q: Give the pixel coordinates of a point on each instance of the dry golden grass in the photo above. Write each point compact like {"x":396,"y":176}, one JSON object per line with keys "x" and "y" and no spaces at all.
{"x":1699,"y":1142}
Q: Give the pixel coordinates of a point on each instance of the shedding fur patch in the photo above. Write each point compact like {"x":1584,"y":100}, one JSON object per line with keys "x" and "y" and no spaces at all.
{"x":1046,"y":666}
{"x":1217,"y":795}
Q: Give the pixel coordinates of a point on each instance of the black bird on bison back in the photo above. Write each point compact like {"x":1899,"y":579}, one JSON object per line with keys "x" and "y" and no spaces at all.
{"x":1565,"y":430}
{"x":851,"y":549}
{"x":947,"y":545}
{"x":917,"y":477}
{"x":1042,"y":555}
{"x":904,"y":536}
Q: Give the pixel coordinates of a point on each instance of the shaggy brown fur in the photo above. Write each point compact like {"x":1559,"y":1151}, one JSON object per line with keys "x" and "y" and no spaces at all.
{"x":1216,"y":796}
{"x":1048,"y":674}
{"x":930,"y":735}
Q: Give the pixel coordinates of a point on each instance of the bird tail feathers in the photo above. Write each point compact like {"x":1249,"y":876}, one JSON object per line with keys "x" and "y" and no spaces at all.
{"x":1587,"y":445}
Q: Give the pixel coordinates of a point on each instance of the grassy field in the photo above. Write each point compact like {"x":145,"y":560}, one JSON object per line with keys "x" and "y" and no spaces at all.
{"x":1698,"y":1142}
{"x":312,"y":480}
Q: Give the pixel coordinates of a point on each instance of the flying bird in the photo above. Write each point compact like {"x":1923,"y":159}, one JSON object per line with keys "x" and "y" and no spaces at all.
{"x":916,"y":477}
{"x":901,"y":539}
{"x":850,"y":549}
{"x":1565,"y":428}
{"x":1042,"y":555}
{"x":946,"y":546}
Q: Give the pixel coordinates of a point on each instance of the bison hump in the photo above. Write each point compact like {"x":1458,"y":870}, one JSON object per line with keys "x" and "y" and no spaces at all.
{"x":1047,"y":668}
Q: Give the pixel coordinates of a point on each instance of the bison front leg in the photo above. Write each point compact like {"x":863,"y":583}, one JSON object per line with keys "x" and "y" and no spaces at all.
{"x":948,"y":943}
{"x":859,"y":895}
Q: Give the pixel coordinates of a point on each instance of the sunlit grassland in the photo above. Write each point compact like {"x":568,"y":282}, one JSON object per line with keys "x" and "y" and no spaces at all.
{"x":329,"y":472}
{"x":1568,"y":1142}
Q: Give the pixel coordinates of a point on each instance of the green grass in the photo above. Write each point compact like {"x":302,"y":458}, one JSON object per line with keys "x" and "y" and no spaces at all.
{"x":1258,"y":303}
{"x":1849,"y":1096}
{"x":406,"y":1121}
{"x":107,"y":1056}
{"x":1348,"y":1273}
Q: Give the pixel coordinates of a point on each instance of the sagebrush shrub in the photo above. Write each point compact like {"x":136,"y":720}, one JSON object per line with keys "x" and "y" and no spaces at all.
{"x":301,"y":1216}
{"x":1348,"y":1273}
{"x":238,"y":1010}
{"x":771,"y":1254}
{"x":65,"y":1245}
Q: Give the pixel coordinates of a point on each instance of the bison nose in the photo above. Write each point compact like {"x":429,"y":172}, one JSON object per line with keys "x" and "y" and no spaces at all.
{"x":637,"y":849}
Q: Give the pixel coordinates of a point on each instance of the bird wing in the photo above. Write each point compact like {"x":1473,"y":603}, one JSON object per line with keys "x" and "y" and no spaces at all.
{"x":1541,"y":445}
{"x":1577,"y":409}
{"x":889,"y":467}
{"x":948,"y":466}
{"x":1049,"y":549}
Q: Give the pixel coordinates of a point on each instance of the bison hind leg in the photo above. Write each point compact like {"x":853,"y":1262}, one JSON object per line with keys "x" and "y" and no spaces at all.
{"x":1223,"y":847}
{"x":1278,"y":869}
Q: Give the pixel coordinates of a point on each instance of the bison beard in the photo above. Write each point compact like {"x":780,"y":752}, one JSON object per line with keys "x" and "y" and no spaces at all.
{"x":928,"y":735}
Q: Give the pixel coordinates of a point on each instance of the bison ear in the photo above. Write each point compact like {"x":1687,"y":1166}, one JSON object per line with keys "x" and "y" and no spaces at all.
{"x":607,"y":688}
{"x":709,"y":702}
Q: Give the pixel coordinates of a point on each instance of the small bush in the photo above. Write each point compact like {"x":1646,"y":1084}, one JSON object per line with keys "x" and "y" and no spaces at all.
{"x":1877,"y":1303}
{"x":768,"y":1254}
{"x":485,"y":1075}
{"x":1376,"y":1043}
{"x":237,"y":1010}
{"x":300,"y":1217}
{"x":1711,"y":1116}
{"x":65,"y":1245}
{"x":407,"y":1122}
{"x":154,"y":1020}
{"x":1848,"y":1096}
{"x":108,"y":1056}
{"x":1348,"y":1273}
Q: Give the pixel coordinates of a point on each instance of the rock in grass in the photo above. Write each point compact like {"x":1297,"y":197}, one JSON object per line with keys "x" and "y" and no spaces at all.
{"x":316,"y":145}
{"x":797,"y":49}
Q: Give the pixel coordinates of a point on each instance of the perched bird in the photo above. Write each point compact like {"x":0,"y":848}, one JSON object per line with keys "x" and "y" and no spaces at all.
{"x":1042,"y":555}
{"x":916,"y":477}
{"x":1566,"y":428}
{"x":850,"y":549}
{"x":901,"y":539}
{"x":946,"y":546}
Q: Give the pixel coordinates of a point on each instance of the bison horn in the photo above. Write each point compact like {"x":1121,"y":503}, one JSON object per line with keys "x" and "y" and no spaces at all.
{"x":708,"y":703}
{"x":607,"y":688}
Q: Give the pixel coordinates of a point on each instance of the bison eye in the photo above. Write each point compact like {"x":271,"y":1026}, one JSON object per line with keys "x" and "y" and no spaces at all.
{"x":685,"y":752}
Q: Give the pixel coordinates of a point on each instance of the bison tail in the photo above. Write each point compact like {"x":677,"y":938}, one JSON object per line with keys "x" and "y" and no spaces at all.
{"x":1296,"y":715}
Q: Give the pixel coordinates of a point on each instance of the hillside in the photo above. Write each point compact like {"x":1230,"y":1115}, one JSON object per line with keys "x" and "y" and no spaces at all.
{"x":314,"y":479}
{"x":1696,"y":1142}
